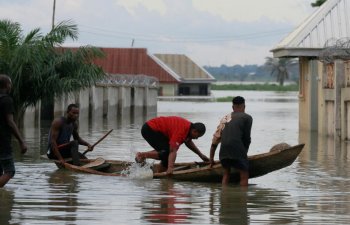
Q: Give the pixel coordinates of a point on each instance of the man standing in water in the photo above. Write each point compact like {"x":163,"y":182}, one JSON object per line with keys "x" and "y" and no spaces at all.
{"x":7,"y":128}
{"x":234,"y":134}
{"x":62,"y":129}
{"x":165,"y":134}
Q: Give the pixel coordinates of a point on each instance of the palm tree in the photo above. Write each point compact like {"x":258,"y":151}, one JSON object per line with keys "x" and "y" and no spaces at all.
{"x":40,"y":68}
{"x":279,"y":67}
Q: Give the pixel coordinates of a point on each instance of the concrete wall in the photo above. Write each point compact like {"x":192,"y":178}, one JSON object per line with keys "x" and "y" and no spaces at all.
{"x":168,"y":89}
{"x":111,"y":101}
{"x":96,"y":101}
{"x":324,"y":98}
{"x":83,"y":99}
{"x":124,"y":100}
{"x":304,"y":94}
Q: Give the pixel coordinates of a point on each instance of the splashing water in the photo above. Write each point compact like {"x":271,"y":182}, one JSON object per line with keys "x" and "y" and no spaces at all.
{"x":136,"y":171}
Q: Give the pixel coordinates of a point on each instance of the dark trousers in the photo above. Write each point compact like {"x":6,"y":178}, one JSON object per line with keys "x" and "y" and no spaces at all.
{"x":70,"y":151}
{"x":158,"y":141}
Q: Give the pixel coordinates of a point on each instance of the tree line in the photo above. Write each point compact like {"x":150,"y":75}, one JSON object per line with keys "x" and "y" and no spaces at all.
{"x":274,"y":69}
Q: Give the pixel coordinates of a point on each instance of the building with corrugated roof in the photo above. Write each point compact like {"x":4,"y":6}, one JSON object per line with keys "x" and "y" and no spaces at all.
{"x":191,"y":78}
{"x":177,"y":74}
{"x":322,"y":44}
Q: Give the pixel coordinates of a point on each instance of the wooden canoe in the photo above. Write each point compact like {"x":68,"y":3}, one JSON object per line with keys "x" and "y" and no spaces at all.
{"x":259,"y":165}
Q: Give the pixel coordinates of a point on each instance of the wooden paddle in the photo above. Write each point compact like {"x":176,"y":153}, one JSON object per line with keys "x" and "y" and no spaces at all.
{"x":104,"y":136}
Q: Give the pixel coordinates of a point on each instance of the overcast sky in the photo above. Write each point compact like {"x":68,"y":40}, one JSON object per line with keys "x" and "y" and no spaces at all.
{"x":211,"y":32}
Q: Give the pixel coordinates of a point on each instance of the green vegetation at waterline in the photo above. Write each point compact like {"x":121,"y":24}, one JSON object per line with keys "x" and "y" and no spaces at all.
{"x":224,"y":99}
{"x":255,"y":87}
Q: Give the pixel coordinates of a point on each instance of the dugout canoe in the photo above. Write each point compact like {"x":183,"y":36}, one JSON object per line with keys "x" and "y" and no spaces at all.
{"x":259,"y":165}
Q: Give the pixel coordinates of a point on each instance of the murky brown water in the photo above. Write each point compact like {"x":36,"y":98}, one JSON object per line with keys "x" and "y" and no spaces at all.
{"x":313,"y":190}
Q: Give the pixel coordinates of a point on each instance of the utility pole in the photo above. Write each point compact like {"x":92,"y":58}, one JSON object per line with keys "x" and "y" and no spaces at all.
{"x":53,"y":14}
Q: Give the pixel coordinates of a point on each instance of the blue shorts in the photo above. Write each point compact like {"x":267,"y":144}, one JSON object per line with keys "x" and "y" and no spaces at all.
{"x":7,"y":166}
{"x":241,"y":164}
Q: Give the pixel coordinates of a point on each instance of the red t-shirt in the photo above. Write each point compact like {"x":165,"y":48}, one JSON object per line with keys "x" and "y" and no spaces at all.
{"x":173,"y":127}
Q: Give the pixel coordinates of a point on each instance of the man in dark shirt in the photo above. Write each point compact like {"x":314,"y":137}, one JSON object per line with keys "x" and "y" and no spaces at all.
{"x":62,"y":129}
{"x":234,"y":134}
{"x":7,"y":128}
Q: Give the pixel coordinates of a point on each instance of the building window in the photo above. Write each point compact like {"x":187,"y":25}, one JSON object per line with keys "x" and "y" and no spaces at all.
{"x":184,"y":90}
{"x":203,"y":89}
{"x":160,"y":91}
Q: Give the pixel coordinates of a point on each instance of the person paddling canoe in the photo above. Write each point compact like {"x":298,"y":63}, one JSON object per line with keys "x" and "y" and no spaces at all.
{"x":62,"y":129}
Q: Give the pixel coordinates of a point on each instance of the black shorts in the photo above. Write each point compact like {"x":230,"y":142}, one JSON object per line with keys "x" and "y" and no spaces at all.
{"x":65,"y":153}
{"x":241,"y":164}
{"x":158,"y":141}
{"x":7,"y":166}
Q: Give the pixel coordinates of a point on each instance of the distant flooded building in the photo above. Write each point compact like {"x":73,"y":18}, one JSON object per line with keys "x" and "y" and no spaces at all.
{"x":191,"y":78}
{"x":322,"y":44}
{"x":177,"y":74}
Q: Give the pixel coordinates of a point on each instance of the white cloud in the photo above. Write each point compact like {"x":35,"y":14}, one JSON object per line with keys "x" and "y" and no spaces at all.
{"x":237,"y":52}
{"x":212,"y":32}
{"x":30,"y":14}
{"x":253,"y":10}
{"x":151,"y":5}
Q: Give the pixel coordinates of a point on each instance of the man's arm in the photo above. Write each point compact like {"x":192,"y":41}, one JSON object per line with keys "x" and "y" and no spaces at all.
{"x":54,"y":132}
{"x":212,"y":153}
{"x":194,"y":149}
{"x":81,"y":141}
{"x":247,"y":132}
{"x":15,"y":132}
{"x":171,"y":160}
{"x":217,"y":137}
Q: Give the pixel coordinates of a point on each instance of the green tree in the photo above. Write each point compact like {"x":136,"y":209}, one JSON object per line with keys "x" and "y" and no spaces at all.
{"x":40,"y":68}
{"x":279,"y":67}
{"x":318,"y":3}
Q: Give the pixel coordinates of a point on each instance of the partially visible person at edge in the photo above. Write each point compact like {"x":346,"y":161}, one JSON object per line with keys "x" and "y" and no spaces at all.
{"x":234,"y":134}
{"x":165,"y":135}
{"x":62,"y":129}
{"x":7,"y":128}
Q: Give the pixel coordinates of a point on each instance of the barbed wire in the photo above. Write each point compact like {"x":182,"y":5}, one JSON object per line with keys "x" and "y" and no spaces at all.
{"x":130,"y":80}
{"x":335,"y":49}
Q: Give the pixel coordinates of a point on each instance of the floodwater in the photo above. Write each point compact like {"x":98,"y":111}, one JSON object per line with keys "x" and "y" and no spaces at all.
{"x":313,"y":190}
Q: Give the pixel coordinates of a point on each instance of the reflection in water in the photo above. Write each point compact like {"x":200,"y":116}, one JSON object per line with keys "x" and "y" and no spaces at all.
{"x":270,"y":206}
{"x":63,"y":199}
{"x":239,"y":205}
{"x":324,"y":170}
{"x":169,"y":206}
{"x":6,"y":205}
{"x":182,"y":202}
{"x":233,"y":205}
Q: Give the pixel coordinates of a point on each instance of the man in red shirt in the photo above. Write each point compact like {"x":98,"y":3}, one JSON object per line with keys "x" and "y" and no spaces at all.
{"x":165,"y":135}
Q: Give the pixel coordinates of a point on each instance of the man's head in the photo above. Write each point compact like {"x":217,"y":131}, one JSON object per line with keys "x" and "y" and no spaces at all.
{"x":238,"y":104}
{"x":5,"y":83}
{"x":197,"y":130}
{"x":72,"y":112}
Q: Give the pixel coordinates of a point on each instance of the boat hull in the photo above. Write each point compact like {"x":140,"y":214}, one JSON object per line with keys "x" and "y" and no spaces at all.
{"x":259,"y":165}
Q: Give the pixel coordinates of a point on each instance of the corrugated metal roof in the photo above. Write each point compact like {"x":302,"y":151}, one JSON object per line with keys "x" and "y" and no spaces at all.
{"x":330,"y":21}
{"x":133,"y":61}
{"x":184,"y":67}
